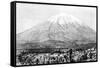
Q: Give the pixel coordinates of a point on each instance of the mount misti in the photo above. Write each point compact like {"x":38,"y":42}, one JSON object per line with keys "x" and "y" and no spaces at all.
{"x":58,"y":31}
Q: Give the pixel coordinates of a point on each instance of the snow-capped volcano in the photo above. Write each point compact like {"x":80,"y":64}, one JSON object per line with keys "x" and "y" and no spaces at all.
{"x":66,"y":26}
{"x":62,"y":27}
{"x":62,"y":21}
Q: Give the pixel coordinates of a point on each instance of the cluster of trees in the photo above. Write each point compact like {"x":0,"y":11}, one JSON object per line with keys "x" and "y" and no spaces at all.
{"x":52,"y":56}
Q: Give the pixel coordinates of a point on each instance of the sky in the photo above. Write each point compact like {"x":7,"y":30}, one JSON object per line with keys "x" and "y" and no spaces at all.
{"x":30,"y":15}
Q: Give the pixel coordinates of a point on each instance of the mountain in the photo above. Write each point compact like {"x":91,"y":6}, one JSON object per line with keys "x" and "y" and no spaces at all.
{"x":58,"y":31}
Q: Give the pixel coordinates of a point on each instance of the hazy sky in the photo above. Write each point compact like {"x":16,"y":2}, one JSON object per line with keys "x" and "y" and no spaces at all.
{"x":29,"y":15}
